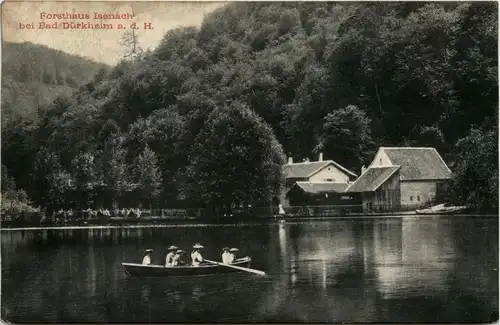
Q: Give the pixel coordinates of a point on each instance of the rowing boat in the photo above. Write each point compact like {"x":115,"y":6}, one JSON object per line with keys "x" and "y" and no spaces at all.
{"x":441,"y":209}
{"x":148,"y":271}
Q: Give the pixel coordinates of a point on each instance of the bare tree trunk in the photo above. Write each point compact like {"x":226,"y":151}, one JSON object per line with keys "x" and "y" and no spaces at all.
{"x":378,"y":99}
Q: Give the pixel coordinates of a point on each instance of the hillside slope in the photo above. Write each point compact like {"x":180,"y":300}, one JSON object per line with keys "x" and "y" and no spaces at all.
{"x":34,"y":75}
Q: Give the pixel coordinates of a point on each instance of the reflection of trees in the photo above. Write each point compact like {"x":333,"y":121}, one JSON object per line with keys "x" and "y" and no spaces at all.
{"x":75,"y":275}
{"x":62,"y":275}
{"x":476,"y":265}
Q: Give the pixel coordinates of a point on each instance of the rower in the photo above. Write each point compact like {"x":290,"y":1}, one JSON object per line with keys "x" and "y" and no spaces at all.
{"x":146,"y":260}
{"x":177,"y":259}
{"x":196,"y":257}
{"x":233,"y":251}
{"x":227,"y":257}
{"x":170,"y":256}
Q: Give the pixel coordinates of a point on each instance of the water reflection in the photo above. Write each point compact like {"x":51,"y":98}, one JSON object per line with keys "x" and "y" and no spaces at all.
{"x":412,"y":257}
{"x":390,"y":270}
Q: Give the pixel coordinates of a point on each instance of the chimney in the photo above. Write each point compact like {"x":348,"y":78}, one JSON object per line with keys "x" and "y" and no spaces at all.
{"x":320,"y":158}
{"x":363,"y":168}
{"x":290,"y":160}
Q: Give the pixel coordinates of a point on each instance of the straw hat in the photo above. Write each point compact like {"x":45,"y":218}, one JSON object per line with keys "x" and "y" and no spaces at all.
{"x":225,"y":249}
{"x":197,"y":246}
{"x":179,"y":251}
{"x":172,"y":248}
{"x":149,"y":250}
{"x":234,"y":250}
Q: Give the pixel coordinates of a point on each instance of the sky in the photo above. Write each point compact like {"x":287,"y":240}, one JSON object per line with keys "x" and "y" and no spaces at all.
{"x":102,"y":45}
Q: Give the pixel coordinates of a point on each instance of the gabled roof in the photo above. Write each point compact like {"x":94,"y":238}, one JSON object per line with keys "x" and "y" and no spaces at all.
{"x":372,"y":179}
{"x":418,"y":163}
{"x":307,"y":169}
{"x":321,"y":187}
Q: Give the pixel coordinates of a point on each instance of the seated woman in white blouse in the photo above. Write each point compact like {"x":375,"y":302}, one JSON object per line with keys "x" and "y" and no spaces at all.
{"x":146,"y":260}
{"x":196,"y":257}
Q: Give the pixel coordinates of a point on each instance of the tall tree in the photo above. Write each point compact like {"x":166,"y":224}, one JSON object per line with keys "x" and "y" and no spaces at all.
{"x":164,"y":131}
{"x":85,"y":178}
{"x":114,"y":168}
{"x":346,"y":136}
{"x":475,"y":181}
{"x":130,"y":43}
{"x":236,"y":160}
{"x":148,"y":175}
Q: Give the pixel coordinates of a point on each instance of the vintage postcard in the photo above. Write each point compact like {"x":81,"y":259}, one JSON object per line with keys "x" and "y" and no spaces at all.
{"x":249,"y":162}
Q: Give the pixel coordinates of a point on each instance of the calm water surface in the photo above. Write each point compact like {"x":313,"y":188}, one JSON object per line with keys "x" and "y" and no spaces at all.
{"x":385,"y":270}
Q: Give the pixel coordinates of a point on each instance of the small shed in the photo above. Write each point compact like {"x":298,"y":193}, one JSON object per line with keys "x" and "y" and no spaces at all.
{"x":379,"y":188}
{"x":321,"y":193}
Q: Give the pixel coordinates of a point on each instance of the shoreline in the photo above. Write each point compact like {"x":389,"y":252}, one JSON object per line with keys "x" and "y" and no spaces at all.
{"x":246,"y":222}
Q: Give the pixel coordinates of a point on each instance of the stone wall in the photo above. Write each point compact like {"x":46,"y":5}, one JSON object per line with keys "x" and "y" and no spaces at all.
{"x":417,"y":193}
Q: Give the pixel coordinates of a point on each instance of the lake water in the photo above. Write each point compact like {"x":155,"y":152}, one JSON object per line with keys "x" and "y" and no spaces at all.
{"x":430,"y":269}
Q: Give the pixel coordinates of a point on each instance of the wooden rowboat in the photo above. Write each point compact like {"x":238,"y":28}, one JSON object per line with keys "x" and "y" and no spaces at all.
{"x":149,"y":271}
{"x":441,"y":209}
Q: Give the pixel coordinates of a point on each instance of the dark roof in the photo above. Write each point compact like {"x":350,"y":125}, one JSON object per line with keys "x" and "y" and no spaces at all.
{"x":322,"y":187}
{"x":418,"y":163}
{"x":372,"y":178}
{"x":307,"y":169}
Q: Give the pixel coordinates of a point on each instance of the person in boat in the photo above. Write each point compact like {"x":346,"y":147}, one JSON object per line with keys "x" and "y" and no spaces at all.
{"x":196,"y":257}
{"x":169,"y":259}
{"x":146,"y":259}
{"x":233,"y":252}
{"x":227,"y":257}
{"x":177,"y":259}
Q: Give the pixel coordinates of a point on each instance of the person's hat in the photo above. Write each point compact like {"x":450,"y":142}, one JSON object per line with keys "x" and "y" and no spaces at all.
{"x":172,"y":248}
{"x":196,"y":246}
{"x":179,"y":251}
{"x":225,"y":249}
{"x":234,"y":250}
{"x":149,"y":250}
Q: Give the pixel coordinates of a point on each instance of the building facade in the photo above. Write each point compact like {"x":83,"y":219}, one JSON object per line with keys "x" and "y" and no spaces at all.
{"x":320,"y":193}
{"x":312,"y":175}
{"x":379,"y":188}
{"x":402,"y":178}
{"x":423,"y":173}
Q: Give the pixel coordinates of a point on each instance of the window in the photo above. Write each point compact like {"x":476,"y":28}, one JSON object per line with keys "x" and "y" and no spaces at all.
{"x":381,"y":161}
{"x":411,"y":198}
{"x":418,"y":198}
{"x":329,"y":180}
{"x":329,"y":168}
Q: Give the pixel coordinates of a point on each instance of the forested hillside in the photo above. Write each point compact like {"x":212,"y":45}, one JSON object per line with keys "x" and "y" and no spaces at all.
{"x":208,"y":116}
{"x":34,"y":75}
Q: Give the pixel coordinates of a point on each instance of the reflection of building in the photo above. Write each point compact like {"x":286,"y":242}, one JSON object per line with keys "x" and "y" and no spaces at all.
{"x":316,"y":173}
{"x":402,"y":177}
{"x":317,"y":254}
{"x":411,"y":257}
{"x":322,"y":267}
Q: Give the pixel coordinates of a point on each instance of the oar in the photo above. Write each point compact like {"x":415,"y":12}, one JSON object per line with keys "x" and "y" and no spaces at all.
{"x":238,"y":267}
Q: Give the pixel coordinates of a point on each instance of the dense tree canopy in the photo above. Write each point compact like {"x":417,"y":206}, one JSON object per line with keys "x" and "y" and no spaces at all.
{"x":346,"y":137}
{"x":476,"y":180}
{"x":418,"y":74}
{"x":236,"y":160}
